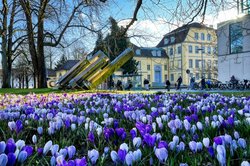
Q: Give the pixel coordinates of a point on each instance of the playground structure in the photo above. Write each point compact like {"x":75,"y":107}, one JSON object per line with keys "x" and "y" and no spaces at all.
{"x":88,"y":73}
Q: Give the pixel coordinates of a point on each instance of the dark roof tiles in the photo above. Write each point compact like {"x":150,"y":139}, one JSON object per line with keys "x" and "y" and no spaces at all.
{"x":179,"y":34}
{"x":68,"y":65}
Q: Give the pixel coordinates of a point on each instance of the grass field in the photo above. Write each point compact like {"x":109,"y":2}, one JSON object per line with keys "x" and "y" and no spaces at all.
{"x":49,"y":90}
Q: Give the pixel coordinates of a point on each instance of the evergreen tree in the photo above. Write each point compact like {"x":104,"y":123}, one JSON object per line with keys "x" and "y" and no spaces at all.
{"x":114,"y":44}
{"x":61,"y":62}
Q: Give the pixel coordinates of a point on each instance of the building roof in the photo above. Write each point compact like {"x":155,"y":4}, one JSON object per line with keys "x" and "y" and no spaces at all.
{"x":179,"y":35}
{"x":152,"y":52}
{"x":68,"y":65}
{"x":51,"y":73}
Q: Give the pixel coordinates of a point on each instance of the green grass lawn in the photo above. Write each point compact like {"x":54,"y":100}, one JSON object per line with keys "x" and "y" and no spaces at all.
{"x":49,"y":90}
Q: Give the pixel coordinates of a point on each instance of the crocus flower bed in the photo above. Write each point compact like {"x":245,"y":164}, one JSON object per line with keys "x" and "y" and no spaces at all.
{"x":124,"y":129}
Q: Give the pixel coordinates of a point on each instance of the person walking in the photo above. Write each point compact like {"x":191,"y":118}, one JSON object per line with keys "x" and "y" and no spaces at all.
{"x":192,"y":83}
{"x":168,"y":85}
{"x":203,"y":83}
{"x":179,"y":81}
{"x":146,"y":84}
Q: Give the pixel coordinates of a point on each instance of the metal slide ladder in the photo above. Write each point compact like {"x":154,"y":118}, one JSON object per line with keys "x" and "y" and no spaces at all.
{"x":89,"y":73}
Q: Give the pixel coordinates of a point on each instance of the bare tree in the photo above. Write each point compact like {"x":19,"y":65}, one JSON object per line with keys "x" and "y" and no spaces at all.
{"x":9,"y":42}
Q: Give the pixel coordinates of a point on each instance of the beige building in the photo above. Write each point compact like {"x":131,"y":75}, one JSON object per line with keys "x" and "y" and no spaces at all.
{"x":191,"y":47}
{"x":153,"y":65}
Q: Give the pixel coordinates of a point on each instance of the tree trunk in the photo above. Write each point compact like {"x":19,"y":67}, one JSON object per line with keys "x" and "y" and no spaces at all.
{"x":42,"y":79}
{"x":6,"y":73}
{"x":31,"y":41}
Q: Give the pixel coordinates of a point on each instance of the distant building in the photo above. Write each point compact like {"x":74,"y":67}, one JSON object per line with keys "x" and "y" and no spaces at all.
{"x":234,"y":48}
{"x":153,"y":65}
{"x":65,"y":67}
{"x":189,"y":46}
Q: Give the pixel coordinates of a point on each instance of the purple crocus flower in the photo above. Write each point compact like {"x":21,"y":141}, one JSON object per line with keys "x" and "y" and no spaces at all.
{"x":54,"y":149}
{"x":194,"y":117}
{"x":163,"y":144}
{"x":40,"y":151}
{"x":108,"y":133}
{"x":28,"y":149}
{"x":230,"y":121}
{"x":93,"y":155}
{"x":3,"y":159}
{"x":40,"y":130}
{"x":10,"y":146}
{"x":114,"y":156}
{"x":11,"y":159}
{"x":218,"y":140}
{"x":120,"y":131}
{"x":122,"y":154}
{"x":71,"y":151}
{"x":149,"y":140}
{"x":116,"y":124}
{"x":22,"y":156}
{"x":133,"y":133}
{"x":221,"y":154}
{"x":67,"y":123}
{"x":19,"y":126}
{"x":211,"y":151}
{"x":47,"y":147}
{"x":242,"y":143}
{"x":193,"y":146}
{"x":91,"y":137}
{"x":81,"y":162}
{"x":71,"y":163}
{"x":129,"y":158}
{"x":2,"y":146}
{"x":161,"y":154}
{"x":53,"y":161}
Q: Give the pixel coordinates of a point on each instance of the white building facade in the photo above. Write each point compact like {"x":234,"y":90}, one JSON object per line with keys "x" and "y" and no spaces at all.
{"x":234,"y":49}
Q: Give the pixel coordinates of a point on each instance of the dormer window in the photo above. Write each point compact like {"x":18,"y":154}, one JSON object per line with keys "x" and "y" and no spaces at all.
{"x":153,"y":53}
{"x":159,"y":53}
{"x":166,"y":40}
{"x":172,"y":39}
{"x":138,"y":52}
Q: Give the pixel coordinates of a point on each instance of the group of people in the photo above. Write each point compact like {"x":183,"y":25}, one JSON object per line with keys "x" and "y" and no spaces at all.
{"x":119,"y":85}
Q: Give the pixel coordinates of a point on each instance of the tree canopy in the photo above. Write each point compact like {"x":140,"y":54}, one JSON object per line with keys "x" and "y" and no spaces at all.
{"x":115,"y":43}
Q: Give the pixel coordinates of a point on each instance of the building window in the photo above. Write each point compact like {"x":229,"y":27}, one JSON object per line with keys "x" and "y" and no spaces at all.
{"x":172,"y":64}
{"x":171,"y":51}
{"x":190,"y":62}
{"x":138,"y":52}
{"x":209,"y":37}
{"x":196,"y":49}
{"x":165,"y":67}
{"x":197,"y":63}
{"x":197,"y":75}
{"x":172,"y":39}
{"x":203,"y":49}
{"x":209,"y":75}
{"x":202,"y":36}
{"x":215,"y":51}
{"x":190,"y":49}
{"x":159,"y":53}
{"x":236,"y":38}
{"x":139,"y":65}
{"x":166,"y":76}
{"x":172,"y":77}
{"x":196,"y":36}
{"x":148,"y":77}
{"x":179,"y":64}
{"x":209,"y":50}
{"x":209,"y":63}
{"x":179,"y":49}
{"x":166,"y":40}
{"x":148,"y":67}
